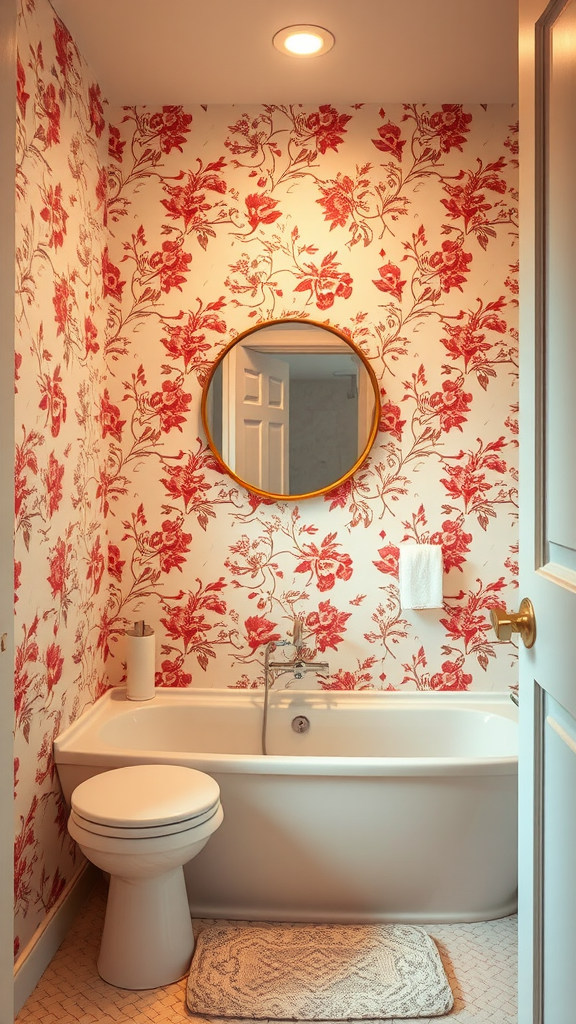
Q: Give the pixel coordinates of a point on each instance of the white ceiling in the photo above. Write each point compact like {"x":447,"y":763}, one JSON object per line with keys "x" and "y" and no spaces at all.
{"x":220,"y":51}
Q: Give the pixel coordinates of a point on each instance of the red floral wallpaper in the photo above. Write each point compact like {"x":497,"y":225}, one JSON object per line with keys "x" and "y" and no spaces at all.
{"x":60,"y":532}
{"x":397,"y":224}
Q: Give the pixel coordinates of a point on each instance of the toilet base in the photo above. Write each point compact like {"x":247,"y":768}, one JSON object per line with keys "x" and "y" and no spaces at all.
{"x":147,"y":940}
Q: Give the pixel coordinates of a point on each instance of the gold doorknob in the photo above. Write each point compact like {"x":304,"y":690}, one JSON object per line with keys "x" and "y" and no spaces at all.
{"x":523,"y":622}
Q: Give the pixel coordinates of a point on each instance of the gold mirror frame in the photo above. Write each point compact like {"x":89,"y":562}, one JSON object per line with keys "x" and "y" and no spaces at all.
{"x":375,"y":415}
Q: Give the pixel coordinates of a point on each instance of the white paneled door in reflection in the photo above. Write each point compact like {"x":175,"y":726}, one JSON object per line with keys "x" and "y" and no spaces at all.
{"x":255,"y":418}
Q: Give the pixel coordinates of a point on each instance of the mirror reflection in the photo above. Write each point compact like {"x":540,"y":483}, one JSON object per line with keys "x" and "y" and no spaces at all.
{"x":291,"y":408}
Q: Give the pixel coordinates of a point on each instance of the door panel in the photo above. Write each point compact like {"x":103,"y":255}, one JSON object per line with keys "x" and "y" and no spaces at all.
{"x":560,"y":260}
{"x":255,"y":418}
{"x":547,"y":790}
{"x":559,"y":846}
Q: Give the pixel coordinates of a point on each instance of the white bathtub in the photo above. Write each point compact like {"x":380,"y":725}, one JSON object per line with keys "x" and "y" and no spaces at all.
{"x":392,"y":807}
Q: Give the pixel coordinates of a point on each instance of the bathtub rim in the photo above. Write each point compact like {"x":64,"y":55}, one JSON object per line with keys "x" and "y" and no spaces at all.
{"x":68,"y":745}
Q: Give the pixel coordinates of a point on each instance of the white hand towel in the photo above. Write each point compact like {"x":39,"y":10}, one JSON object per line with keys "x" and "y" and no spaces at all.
{"x":420,"y":576}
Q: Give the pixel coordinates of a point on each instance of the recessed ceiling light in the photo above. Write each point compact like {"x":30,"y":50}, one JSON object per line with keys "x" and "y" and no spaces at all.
{"x":303,"y":40}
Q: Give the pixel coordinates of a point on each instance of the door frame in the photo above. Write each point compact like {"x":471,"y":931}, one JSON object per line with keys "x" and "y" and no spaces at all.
{"x":7,"y":254}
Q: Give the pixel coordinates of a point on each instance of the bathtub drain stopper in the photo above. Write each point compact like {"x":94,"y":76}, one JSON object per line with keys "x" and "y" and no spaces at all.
{"x":300,"y":723}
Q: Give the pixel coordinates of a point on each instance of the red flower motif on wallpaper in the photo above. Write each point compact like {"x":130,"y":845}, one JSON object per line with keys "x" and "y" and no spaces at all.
{"x":23,"y":866}
{"x":115,"y":562}
{"x":17,"y":579}
{"x":96,"y":110}
{"x":172,"y":544}
{"x":187,"y":483}
{"x":390,"y":422}
{"x":26,"y":653}
{"x":109,"y":417}
{"x":390,"y":280}
{"x":342,"y":198}
{"x":102,"y":193}
{"x":451,"y":264}
{"x":55,"y":215}
{"x":188,"y":624}
{"x":53,"y":400}
{"x":115,"y":144}
{"x":189,"y":201}
{"x":172,"y":674}
{"x":67,"y":56}
{"x":451,"y":404}
{"x":450,"y":125}
{"x":59,"y":568}
{"x":21,"y":95}
{"x":361,"y":679}
{"x":326,"y":126}
{"x":455,"y":543}
{"x":389,"y":559}
{"x":452,"y":677}
{"x":467,"y":481}
{"x":25,"y":458}
{"x":466,"y":339}
{"x":53,"y":477}
{"x":261,"y":210}
{"x":326,"y":283}
{"x":107,"y":629}
{"x":54,"y":666}
{"x":389,"y":141}
{"x":467,"y":201}
{"x":49,"y":108}
{"x":260,"y":631}
{"x":187,"y":341}
{"x":170,"y":126}
{"x":170,"y":404}
{"x":325,"y":563}
{"x":96,"y":566}
{"x":62,"y":302}
{"x":468,"y":621}
{"x":171,"y":263}
{"x":111,"y":284}
{"x":90,"y":335}
{"x":328,"y":625}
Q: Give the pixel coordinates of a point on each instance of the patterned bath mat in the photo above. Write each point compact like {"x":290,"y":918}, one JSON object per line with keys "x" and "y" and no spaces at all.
{"x":316,"y":972}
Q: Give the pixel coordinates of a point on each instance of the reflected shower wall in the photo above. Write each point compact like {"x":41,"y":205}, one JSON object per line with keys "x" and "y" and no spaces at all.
{"x":323,"y":431}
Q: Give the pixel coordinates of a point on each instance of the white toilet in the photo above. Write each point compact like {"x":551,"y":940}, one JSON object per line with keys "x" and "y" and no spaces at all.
{"x":141,"y":824}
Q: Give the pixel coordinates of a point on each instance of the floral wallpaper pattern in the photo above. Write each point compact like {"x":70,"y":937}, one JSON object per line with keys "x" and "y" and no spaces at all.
{"x":398,"y":225}
{"x":149,"y":238}
{"x":60,"y":532}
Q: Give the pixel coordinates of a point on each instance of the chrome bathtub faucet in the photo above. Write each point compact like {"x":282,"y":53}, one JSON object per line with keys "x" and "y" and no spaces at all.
{"x":298,"y":667}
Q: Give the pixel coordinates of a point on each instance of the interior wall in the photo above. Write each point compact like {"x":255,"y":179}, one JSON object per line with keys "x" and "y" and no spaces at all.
{"x":60,"y":533}
{"x":7,"y":245}
{"x":397,"y":225}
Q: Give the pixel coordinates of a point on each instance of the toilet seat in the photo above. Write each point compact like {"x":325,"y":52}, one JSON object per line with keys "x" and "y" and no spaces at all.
{"x":145,"y":801}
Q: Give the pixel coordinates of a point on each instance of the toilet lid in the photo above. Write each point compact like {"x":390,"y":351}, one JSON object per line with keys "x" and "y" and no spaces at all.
{"x":145,"y":796}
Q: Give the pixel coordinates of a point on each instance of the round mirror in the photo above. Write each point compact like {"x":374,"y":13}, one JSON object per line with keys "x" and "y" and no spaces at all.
{"x":291,"y":408}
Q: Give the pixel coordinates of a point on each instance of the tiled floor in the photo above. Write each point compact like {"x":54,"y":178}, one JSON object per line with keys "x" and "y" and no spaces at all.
{"x":479,"y":959}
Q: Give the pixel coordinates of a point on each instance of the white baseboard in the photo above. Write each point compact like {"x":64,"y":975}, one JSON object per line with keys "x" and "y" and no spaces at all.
{"x":37,"y":954}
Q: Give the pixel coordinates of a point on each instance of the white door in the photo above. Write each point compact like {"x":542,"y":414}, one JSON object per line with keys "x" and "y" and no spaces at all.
{"x":547,"y":884}
{"x":255,"y":430}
